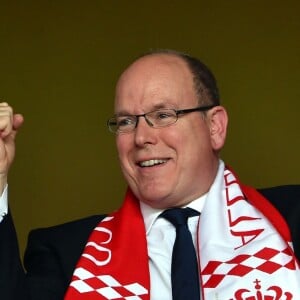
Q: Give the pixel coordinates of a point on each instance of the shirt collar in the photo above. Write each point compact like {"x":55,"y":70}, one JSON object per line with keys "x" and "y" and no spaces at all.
{"x":150,"y":214}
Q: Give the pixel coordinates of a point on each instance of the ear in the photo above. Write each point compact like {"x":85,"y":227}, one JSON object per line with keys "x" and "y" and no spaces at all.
{"x":218,"y":120}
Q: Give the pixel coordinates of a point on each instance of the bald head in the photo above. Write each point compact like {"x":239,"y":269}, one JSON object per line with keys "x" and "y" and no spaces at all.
{"x":204,"y":82}
{"x":156,"y":75}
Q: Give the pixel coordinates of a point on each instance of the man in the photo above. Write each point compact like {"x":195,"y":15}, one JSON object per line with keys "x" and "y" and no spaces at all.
{"x":169,"y":129}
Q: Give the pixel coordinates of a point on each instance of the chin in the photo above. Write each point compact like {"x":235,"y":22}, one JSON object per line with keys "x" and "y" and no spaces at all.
{"x":156,"y":200}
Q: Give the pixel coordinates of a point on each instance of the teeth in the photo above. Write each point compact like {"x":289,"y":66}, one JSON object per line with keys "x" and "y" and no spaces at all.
{"x":152,"y":162}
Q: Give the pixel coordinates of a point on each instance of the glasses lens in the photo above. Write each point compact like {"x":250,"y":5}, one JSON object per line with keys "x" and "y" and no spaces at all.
{"x":122,"y":123}
{"x":162,"y":117}
{"x":112,"y":125}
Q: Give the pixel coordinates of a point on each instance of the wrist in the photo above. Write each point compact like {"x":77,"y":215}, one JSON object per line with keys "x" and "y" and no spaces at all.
{"x":3,"y":182}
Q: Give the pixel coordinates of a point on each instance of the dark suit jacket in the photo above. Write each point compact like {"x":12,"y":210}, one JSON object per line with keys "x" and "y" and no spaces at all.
{"x":52,"y":253}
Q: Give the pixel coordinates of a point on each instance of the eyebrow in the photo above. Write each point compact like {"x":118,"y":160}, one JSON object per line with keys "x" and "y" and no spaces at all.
{"x":160,"y":105}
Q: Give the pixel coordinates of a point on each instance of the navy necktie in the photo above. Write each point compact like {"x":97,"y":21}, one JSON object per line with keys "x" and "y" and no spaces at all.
{"x":184,"y":269}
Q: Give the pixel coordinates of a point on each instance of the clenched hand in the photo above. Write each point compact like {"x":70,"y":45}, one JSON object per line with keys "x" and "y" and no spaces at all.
{"x":9,"y":125}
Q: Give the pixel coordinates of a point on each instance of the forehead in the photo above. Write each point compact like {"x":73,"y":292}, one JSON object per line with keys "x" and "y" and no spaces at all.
{"x":155,"y":80}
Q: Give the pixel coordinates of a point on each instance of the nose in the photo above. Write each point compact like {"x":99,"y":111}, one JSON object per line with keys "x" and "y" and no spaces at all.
{"x":146,"y":119}
{"x":144,"y":132}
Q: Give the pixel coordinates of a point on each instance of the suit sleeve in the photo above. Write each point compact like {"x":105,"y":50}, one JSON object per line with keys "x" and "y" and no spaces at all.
{"x":12,"y":275}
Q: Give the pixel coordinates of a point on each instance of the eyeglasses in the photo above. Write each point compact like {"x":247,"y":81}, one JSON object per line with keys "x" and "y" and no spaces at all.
{"x":156,"y":119}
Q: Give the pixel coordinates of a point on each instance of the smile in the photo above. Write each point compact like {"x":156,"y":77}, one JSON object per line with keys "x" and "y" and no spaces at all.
{"x":152,"y":162}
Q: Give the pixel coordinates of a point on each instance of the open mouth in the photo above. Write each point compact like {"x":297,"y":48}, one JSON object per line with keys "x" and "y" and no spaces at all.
{"x":152,"y":162}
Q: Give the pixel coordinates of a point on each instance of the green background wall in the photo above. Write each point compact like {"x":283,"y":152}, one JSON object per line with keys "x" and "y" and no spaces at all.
{"x":59,"y":61}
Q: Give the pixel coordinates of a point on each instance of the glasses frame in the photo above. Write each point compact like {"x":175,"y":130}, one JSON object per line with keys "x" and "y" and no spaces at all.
{"x":178,"y":112}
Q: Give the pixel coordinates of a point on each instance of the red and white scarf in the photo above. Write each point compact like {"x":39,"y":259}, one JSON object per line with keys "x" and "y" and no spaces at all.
{"x":244,"y":248}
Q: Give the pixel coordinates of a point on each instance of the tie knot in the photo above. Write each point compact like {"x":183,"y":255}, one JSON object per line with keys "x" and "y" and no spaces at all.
{"x":179,"y":216}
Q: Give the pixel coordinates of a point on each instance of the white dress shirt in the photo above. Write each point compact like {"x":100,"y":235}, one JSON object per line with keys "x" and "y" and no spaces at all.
{"x":3,"y":204}
{"x":160,"y":235}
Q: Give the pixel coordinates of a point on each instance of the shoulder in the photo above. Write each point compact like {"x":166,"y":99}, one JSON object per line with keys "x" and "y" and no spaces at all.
{"x":76,"y":229}
{"x":56,"y":250}
{"x":287,"y":201}
{"x":287,"y":191}
{"x":285,"y":198}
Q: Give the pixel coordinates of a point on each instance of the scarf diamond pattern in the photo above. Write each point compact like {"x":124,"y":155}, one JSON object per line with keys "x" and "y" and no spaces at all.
{"x":106,"y":285}
{"x":267,"y":260}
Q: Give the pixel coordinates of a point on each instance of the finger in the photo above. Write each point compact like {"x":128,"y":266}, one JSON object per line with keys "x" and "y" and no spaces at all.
{"x":3,"y":104}
{"x":6,"y":119}
{"x":16,"y":125}
{"x":18,"y":120}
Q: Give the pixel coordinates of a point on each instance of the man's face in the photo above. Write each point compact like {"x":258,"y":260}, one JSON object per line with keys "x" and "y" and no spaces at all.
{"x":168,"y":166}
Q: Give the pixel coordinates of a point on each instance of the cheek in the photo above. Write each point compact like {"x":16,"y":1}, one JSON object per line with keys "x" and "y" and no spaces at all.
{"x":122,"y":148}
{"x":123,"y":155}
{"x":195,"y":142}
{"x":173,"y":139}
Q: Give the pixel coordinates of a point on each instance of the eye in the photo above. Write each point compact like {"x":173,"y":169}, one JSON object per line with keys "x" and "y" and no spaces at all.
{"x":125,"y":121}
{"x":164,"y":114}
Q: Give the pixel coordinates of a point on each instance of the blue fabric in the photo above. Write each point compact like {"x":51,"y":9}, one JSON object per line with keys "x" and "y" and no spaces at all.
{"x":184,"y":270}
